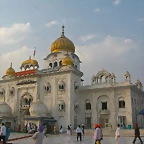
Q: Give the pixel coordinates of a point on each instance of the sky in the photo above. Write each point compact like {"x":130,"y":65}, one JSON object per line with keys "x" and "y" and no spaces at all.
{"x":107,"y":34}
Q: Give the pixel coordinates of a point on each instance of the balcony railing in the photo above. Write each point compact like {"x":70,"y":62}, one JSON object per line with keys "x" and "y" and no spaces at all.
{"x":104,"y":111}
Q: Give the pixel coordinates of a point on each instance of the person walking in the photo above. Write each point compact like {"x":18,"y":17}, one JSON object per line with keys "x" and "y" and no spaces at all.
{"x":54,"y":129}
{"x":7,"y":133}
{"x":117,"y":134}
{"x":101,"y":132}
{"x":61,"y":129}
{"x":79,"y":133}
{"x":137,"y":134}
{"x":45,"y":130}
{"x":3,"y":133}
{"x":68,"y":130}
{"x":38,"y":136}
{"x":83,"y":128}
{"x":97,"y":134}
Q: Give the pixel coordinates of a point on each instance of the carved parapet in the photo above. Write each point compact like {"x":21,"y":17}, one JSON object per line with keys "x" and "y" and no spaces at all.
{"x":127,"y":76}
{"x":139,"y":84}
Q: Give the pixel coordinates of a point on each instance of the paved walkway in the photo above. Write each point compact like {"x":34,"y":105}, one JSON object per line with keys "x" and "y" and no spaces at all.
{"x":64,"y":139}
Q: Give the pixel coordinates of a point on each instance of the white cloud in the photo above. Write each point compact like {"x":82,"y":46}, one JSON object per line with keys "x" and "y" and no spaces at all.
{"x":97,"y":9}
{"x":87,"y":37}
{"x":16,"y":57}
{"x":116,"y":2}
{"x":128,"y":40}
{"x":140,"y":20}
{"x":51,"y":23}
{"x":110,"y":46}
{"x":13,"y":34}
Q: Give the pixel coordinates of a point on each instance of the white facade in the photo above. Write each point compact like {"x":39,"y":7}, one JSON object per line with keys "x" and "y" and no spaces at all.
{"x":62,"y":96}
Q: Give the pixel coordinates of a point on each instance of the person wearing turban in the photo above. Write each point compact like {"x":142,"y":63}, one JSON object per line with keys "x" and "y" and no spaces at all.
{"x":97,"y":133}
{"x":137,"y":134}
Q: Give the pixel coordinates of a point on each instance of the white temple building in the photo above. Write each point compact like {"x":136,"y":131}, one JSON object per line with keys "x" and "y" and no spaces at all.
{"x":56,"y":95}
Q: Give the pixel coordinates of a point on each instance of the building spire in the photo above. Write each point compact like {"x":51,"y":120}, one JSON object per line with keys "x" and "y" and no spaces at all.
{"x":30,"y":57}
{"x":63,"y":30}
{"x":11,"y":65}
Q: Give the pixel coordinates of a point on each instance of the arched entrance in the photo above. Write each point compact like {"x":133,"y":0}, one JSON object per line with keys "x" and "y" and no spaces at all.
{"x":25,"y":103}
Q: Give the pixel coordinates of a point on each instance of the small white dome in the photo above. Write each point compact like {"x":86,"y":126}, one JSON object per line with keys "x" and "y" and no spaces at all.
{"x":38,"y":109}
{"x":5,"y":109}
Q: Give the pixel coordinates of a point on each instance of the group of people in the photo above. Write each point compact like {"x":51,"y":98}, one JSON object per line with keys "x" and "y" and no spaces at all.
{"x":98,"y":135}
{"x":137,"y":135}
{"x":4,"y":133}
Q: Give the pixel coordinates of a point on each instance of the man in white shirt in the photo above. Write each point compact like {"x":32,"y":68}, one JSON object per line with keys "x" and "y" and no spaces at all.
{"x":3,"y":133}
{"x":117,"y":134}
{"x":79,"y":133}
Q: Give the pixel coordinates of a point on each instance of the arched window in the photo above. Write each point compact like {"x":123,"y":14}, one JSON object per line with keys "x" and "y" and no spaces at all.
{"x":47,"y":87}
{"x":61,"y":105}
{"x":50,"y":65}
{"x":55,"y":64}
{"x":121,"y":103}
{"x":61,"y":85}
{"x":88,"y":105}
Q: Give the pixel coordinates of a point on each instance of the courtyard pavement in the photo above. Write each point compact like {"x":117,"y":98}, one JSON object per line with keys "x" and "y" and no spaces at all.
{"x":64,"y":139}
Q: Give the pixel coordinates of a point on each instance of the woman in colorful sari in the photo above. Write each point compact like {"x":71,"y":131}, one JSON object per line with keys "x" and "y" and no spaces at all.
{"x":7,"y":133}
{"x":39,"y":136}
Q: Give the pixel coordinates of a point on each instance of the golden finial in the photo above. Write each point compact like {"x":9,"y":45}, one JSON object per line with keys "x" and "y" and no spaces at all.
{"x":63,"y":30}
{"x":11,"y":65}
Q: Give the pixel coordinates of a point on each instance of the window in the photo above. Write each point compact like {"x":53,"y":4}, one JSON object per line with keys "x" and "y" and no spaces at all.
{"x":26,"y":102}
{"x":11,"y":92}
{"x":62,"y":86}
{"x":88,"y":105}
{"x":47,"y":88}
{"x":30,"y":101}
{"x":55,"y":64}
{"x":104,"y":105}
{"x":121,"y":104}
{"x":50,"y":65}
{"x":61,"y":105}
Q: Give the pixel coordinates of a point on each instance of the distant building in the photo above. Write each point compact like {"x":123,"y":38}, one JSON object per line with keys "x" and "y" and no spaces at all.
{"x":56,"y":95}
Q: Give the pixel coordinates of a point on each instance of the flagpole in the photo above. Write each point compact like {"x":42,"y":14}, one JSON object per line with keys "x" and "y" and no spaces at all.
{"x":34,"y":52}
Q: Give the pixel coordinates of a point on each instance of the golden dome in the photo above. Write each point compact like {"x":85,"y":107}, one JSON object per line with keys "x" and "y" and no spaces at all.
{"x":62,"y":44}
{"x":67,"y":61}
{"x":10,"y":71}
{"x":30,"y":62}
